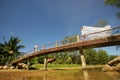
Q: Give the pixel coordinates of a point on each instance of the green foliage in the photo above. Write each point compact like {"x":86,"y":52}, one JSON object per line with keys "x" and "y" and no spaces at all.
{"x":114,"y":3}
{"x":33,"y":60}
{"x":103,"y":57}
{"x":69,"y":56}
{"x":35,"y":67}
{"x":101,"y":23}
{"x":69,"y":60}
{"x":63,"y":65}
{"x":69,"y":39}
{"x":91,"y":56}
{"x":61,"y":58}
{"x":41,"y":59}
{"x":111,"y":57}
{"x":9,"y":50}
{"x":39,"y":66}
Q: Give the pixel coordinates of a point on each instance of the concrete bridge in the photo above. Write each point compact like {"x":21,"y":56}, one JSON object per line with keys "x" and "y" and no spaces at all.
{"x":112,"y":40}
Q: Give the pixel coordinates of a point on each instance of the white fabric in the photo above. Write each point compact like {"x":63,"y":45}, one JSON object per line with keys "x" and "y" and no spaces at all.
{"x":88,"y":29}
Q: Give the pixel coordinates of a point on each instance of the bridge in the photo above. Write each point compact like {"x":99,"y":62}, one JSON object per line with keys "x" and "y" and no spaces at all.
{"x":80,"y":44}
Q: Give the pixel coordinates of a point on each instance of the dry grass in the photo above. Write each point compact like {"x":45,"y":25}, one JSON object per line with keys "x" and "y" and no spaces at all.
{"x":56,"y":74}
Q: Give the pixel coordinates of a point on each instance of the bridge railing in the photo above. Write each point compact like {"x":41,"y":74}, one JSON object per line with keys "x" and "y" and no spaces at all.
{"x":69,"y":40}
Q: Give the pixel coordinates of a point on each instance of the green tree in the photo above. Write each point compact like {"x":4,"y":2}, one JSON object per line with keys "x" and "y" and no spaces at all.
{"x":90,"y":56}
{"x":69,"y":39}
{"x":69,"y":60}
{"x":102,"y":57}
{"x":41,"y":59}
{"x":101,"y":23}
{"x":77,"y":59}
{"x":33,"y":60}
{"x":112,"y":57}
{"x":10,"y":49}
{"x":75,"y":56}
{"x":114,"y":3}
{"x":62,"y":57}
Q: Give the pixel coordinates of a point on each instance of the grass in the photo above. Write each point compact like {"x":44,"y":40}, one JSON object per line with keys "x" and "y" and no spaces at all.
{"x":56,"y":66}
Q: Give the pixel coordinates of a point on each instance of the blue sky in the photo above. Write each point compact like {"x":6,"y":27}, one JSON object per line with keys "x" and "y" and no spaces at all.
{"x":46,"y":21}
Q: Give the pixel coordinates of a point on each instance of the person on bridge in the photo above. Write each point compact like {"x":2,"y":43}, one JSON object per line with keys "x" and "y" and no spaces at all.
{"x":36,"y":48}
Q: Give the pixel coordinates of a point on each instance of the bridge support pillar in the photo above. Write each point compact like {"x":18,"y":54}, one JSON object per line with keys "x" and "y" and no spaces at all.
{"x":85,"y":72}
{"x":82,"y":58}
{"x":45,"y":62}
{"x":28,"y":64}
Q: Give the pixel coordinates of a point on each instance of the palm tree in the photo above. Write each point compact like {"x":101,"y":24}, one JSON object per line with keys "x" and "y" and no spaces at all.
{"x":10,"y":49}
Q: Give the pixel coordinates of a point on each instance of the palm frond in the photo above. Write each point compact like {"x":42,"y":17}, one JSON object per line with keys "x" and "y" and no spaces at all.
{"x":11,"y":47}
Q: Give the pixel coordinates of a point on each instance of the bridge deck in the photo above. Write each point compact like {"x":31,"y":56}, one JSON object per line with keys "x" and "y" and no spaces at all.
{"x":102,"y":42}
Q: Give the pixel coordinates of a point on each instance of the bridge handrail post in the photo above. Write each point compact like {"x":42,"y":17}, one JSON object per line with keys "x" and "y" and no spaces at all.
{"x":78,"y":38}
{"x":56,"y":43}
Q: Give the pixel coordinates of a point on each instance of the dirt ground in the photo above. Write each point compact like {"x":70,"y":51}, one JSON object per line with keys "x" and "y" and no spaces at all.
{"x":22,"y":74}
{"x":59,"y":74}
{"x":55,"y":74}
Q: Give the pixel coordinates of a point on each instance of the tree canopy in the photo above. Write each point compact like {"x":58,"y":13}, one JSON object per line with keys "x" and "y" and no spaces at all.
{"x":114,"y":3}
{"x":101,"y":23}
{"x":9,"y":49}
